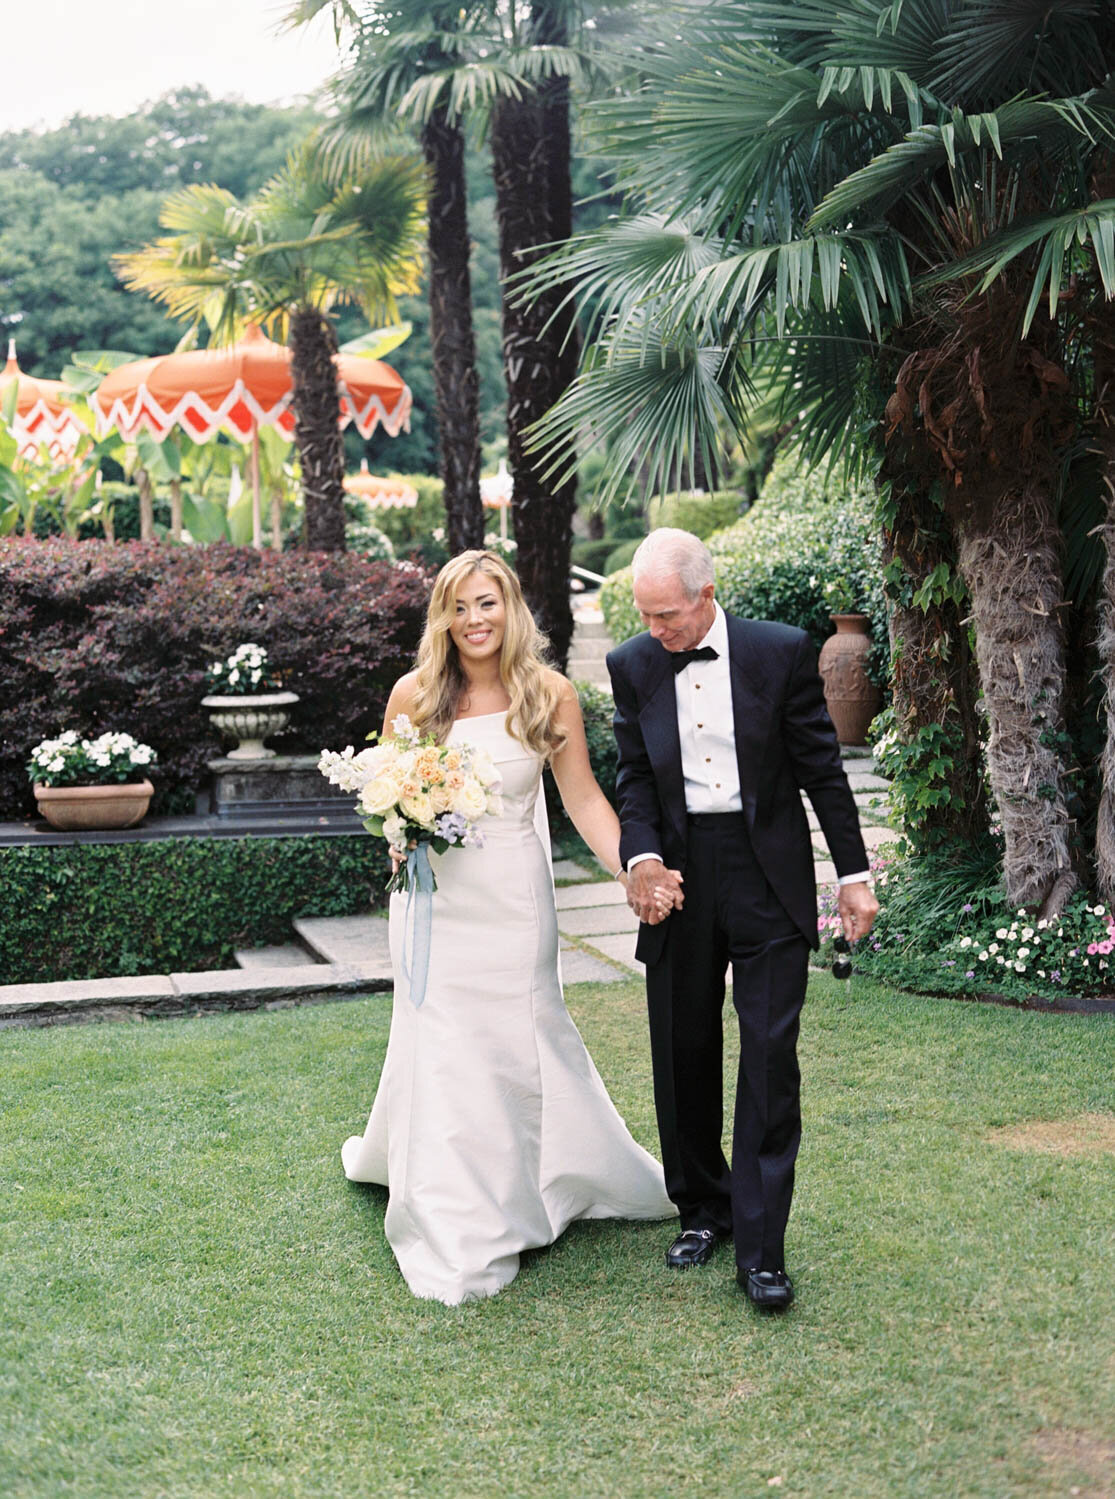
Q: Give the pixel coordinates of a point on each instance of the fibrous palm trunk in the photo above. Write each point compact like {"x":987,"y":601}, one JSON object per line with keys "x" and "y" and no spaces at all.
{"x":313,"y":346}
{"x":1013,"y":573}
{"x":933,"y":677}
{"x":451,"y":332}
{"x":530,"y":160}
{"x":982,"y":414}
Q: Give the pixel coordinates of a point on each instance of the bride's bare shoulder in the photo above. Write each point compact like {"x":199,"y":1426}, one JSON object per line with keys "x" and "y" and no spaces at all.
{"x":402,"y":696}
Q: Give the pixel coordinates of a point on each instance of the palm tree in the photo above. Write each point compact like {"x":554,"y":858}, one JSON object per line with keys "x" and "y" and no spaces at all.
{"x":813,"y":196}
{"x":391,"y":49}
{"x":509,"y":65}
{"x":303,"y":244}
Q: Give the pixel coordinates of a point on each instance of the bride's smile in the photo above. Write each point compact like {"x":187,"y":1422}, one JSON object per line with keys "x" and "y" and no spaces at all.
{"x":478,"y":625}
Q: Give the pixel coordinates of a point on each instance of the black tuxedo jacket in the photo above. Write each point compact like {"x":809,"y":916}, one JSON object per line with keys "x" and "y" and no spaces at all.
{"x":785,"y":744}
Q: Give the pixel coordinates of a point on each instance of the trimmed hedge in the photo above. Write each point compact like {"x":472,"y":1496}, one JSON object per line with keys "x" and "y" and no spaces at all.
{"x":95,"y":636}
{"x":176,"y":905}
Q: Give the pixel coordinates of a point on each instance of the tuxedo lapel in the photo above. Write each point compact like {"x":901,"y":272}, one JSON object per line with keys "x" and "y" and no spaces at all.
{"x":750,"y":711}
{"x":658,"y":718}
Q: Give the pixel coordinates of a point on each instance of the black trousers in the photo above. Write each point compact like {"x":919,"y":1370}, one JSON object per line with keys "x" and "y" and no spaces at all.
{"x":730,"y":915}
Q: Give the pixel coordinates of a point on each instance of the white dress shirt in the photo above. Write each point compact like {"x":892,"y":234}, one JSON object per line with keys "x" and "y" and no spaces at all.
{"x":706,"y":726}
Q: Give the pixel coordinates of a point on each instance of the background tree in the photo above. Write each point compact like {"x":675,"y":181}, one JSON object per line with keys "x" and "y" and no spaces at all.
{"x":814,"y":185}
{"x":284,"y":260}
{"x":391,"y":47}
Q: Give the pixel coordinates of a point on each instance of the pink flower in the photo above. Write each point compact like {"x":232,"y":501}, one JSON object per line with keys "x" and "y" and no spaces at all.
{"x":1105,"y":947}
{"x":1092,"y":948}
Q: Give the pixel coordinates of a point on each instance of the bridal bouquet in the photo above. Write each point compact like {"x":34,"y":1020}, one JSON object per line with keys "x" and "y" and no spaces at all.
{"x":417,"y":794}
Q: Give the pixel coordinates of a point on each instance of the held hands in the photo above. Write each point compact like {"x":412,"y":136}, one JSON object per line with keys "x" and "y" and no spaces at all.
{"x":653,"y":891}
{"x":856,"y":906}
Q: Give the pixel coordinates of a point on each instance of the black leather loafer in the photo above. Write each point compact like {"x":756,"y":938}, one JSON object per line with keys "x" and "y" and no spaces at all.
{"x":771,"y":1290}
{"x":694,"y":1246}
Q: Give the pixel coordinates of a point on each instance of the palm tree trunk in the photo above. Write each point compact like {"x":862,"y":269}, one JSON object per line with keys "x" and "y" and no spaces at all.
{"x":1013,"y":574}
{"x":313,"y":345}
{"x":933,"y":677}
{"x":1103,"y":346}
{"x":530,"y":160}
{"x":451,"y":332}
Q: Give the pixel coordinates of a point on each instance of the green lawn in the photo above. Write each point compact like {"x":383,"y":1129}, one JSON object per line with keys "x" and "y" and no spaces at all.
{"x":196,"y":1303}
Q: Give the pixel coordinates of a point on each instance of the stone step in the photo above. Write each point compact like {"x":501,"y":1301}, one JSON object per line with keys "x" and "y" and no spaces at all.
{"x":595,"y":675}
{"x":282,"y":955}
{"x":347,"y":940}
{"x":591,"y":629}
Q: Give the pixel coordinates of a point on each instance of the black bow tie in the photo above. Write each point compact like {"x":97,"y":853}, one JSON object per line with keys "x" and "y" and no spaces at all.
{"x":681,"y":659}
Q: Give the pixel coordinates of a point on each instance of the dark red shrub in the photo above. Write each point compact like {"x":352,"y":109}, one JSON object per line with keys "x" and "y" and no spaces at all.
{"x":95,"y":636}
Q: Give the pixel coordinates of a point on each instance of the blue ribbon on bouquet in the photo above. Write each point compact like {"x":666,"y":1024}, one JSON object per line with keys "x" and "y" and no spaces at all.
{"x":418,"y":921}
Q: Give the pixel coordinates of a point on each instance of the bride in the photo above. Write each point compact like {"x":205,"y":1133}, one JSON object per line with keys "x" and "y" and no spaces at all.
{"x":491,"y":1126}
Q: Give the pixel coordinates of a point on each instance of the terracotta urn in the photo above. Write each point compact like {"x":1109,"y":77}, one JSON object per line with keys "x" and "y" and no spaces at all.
{"x":250,"y":719}
{"x":89,"y":809}
{"x":850,"y":696}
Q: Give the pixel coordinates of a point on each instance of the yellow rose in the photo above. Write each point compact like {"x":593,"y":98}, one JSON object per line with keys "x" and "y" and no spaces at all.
{"x":378,"y":796}
{"x":452,"y":760}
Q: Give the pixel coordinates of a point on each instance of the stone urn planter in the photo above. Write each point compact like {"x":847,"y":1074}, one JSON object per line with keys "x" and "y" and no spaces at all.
{"x":86,"y":809}
{"x":250,"y":719}
{"x":850,"y":696}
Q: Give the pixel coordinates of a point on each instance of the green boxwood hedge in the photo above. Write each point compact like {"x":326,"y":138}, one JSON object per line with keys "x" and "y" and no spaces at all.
{"x":176,"y":905}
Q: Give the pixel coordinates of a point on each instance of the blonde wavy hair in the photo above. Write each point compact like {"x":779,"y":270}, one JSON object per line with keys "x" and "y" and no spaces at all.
{"x":440,"y":681}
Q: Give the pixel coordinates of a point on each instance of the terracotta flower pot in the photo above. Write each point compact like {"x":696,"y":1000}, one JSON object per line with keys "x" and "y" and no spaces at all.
{"x":850,"y":696}
{"x":85,"y":809}
{"x":250,"y":719}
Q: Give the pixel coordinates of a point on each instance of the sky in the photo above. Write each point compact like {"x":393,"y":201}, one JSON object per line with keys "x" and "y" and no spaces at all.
{"x":66,"y":57}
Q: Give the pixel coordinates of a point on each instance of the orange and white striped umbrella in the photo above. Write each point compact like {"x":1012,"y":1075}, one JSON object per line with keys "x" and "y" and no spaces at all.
{"x":41,"y":416}
{"x":380,"y":492}
{"x":240,"y":389}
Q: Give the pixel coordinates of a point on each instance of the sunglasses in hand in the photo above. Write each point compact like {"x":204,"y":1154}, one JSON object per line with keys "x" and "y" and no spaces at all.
{"x":842,"y":963}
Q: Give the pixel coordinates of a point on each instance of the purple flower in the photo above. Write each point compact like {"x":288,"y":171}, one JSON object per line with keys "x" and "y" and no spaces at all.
{"x":451,"y":826}
{"x":967,"y":907}
{"x":970,"y":974}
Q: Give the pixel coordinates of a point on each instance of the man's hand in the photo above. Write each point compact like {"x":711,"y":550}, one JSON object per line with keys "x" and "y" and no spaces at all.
{"x":653,"y":891}
{"x":856,"y":905}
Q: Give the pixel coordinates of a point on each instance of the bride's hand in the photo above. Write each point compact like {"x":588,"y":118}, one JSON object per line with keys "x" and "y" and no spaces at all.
{"x":398,"y":859}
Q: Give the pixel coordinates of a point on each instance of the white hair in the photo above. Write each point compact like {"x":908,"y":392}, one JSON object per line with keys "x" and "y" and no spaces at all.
{"x":678,"y":554}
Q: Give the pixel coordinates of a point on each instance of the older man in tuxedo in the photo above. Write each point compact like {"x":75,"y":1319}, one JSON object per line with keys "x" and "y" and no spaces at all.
{"x":721,"y":725}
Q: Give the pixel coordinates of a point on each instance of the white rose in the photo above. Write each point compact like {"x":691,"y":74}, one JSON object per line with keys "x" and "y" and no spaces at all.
{"x":395,"y":830}
{"x":378,"y":796}
{"x":483,"y":768}
{"x":495,"y":804}
{"x":472,"y":800}
{"x":418,"y":809}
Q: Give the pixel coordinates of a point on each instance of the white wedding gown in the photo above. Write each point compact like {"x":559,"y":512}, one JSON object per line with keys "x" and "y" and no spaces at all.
{"x":491,"y":1127}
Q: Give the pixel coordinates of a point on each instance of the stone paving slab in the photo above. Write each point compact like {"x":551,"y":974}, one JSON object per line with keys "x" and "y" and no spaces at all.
{"x":862,"y":781}
{"x":824,"y":872}
{"x":580,"y":967}
{"x":583,"y":921}
{"x":282,"y":955}
{"x":265,"y":983}
{"x":598,"y":894}
{"x":875,"y":837}
{"x":620,"y":948}
{"x":567,"y":869}
{"x":347,"y":939}
{"x":76,"y":993}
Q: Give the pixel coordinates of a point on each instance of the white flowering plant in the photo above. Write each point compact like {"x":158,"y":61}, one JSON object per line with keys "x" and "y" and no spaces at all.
{"x":977,"y":946}
{"x":245,"y":672}
{"x":70,"y":760}
{"x":411,"y":790}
